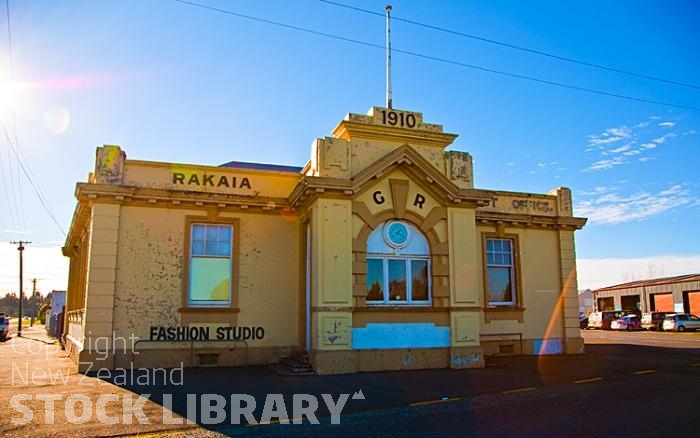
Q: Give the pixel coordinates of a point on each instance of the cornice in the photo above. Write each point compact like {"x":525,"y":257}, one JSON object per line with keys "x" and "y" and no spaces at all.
{"x":528,"y":221}
{"x":81,"y":216}
{"x":114,"y":194}
{"x":347,"y":130}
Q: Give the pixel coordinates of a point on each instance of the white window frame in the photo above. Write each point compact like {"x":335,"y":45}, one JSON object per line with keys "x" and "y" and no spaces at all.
{"x":409,"y":283}
{"x":511,"y":266}
{"x":191,"y":257}
{"x":415,"y":249}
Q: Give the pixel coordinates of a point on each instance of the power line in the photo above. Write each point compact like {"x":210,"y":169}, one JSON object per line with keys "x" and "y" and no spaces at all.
{"x":12,"y":209}
{"x":521,"y":48}
{"x":31,"y":182}
{"x":16,"y":149}
{"x":16,"y":208}
{"x":443,"y":60}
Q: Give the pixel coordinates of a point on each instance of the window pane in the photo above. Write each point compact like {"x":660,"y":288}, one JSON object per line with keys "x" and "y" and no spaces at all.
{"x":374,"y":276}
{"x":491,"y":258}
{"x":210,"y":279}
{"x":224,"y":249}
{"x":212,"y":233}
{"x":198,"y":248}
{"x":419,"y":280}
{"x":198,"y":232}
{"x":210,"y":248}
{"x":499,"y":252}
{"x":225,"y":233}
{"x":397,"y":280}
{"x":500,"y":288}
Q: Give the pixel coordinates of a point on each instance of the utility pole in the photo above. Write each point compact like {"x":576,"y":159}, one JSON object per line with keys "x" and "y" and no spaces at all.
{"x":20,"y":248}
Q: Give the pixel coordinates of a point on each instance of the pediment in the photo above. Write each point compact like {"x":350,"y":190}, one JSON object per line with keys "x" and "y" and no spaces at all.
{"x":421,"y":172}
{"x":410,"y":163}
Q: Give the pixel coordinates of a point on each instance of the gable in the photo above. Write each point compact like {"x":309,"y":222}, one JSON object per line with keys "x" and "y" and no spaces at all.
{"x":399,"y":192}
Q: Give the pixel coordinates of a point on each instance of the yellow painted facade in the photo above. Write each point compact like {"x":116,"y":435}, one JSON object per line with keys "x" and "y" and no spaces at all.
{"x":379,"y":254}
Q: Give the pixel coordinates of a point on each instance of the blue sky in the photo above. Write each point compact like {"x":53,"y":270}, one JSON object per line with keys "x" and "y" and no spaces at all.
{"x":174,"y":82}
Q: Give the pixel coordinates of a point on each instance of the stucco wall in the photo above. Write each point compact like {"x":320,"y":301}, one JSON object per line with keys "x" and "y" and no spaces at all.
{"x":149,"y":286}
{"x":538,"y":272}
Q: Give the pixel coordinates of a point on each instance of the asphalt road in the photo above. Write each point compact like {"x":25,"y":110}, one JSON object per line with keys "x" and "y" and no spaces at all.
{"x":643,"y":337}
{"x":639,"y":384}
{"x":663,"y":403}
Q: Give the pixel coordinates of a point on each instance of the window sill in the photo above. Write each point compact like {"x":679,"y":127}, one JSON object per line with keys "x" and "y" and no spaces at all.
{"x":503,"y":313}
{"x":385,"y":307}
{"x":208,"y":315}
{"x":209,"y":309}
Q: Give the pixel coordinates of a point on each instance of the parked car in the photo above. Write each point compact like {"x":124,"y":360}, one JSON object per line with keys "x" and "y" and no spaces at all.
{"x":653,"y":320}
{"x":629,"y":322}
{"x":4,"y":326}
{"x":582,"y":321}
{"x":602,"y":320}
{"x":681,"y":322}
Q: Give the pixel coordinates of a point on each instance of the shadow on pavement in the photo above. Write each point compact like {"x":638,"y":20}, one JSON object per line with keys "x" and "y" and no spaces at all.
{"x":218,"y":398}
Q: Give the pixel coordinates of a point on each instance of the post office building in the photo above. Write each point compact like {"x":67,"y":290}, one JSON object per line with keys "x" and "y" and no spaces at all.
{"x":378,"y":254}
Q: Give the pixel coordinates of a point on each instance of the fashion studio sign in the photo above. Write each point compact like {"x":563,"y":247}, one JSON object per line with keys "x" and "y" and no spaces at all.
{"x":205,"y":333}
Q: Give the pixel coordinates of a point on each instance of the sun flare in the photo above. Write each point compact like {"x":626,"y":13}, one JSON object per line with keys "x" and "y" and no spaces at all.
{"x":11,"y":94}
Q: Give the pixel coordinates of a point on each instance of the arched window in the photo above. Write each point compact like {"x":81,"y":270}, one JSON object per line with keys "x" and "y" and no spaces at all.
{"x":398,"y":265}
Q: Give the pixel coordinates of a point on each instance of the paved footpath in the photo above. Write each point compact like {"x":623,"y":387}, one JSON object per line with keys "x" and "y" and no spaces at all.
{"x":38,"y":381}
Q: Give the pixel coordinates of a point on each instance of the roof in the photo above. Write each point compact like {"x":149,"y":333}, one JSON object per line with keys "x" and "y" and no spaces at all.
{"x":653,"y":282}
{"x":261,"y":166}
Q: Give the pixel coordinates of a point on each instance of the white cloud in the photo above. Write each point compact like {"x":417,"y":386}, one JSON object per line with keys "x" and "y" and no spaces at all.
{"x":672,"y":190}
{"x":621,"y":149}
{"x":597,"y":273}
{"x":606,"y":164}
{"x":623,"y":143}
{"x":608,"y":140}
{"x":612,"y":208}
{"x":663,"y":138}
{"x":620,"y":131}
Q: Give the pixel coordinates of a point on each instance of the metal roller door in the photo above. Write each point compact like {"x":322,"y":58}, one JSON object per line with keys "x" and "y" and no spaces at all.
{"x":663,"y":302}
{"x":694,"y":302}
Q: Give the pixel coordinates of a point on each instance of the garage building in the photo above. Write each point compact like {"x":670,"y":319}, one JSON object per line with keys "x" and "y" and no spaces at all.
{"x":679,"y":294}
